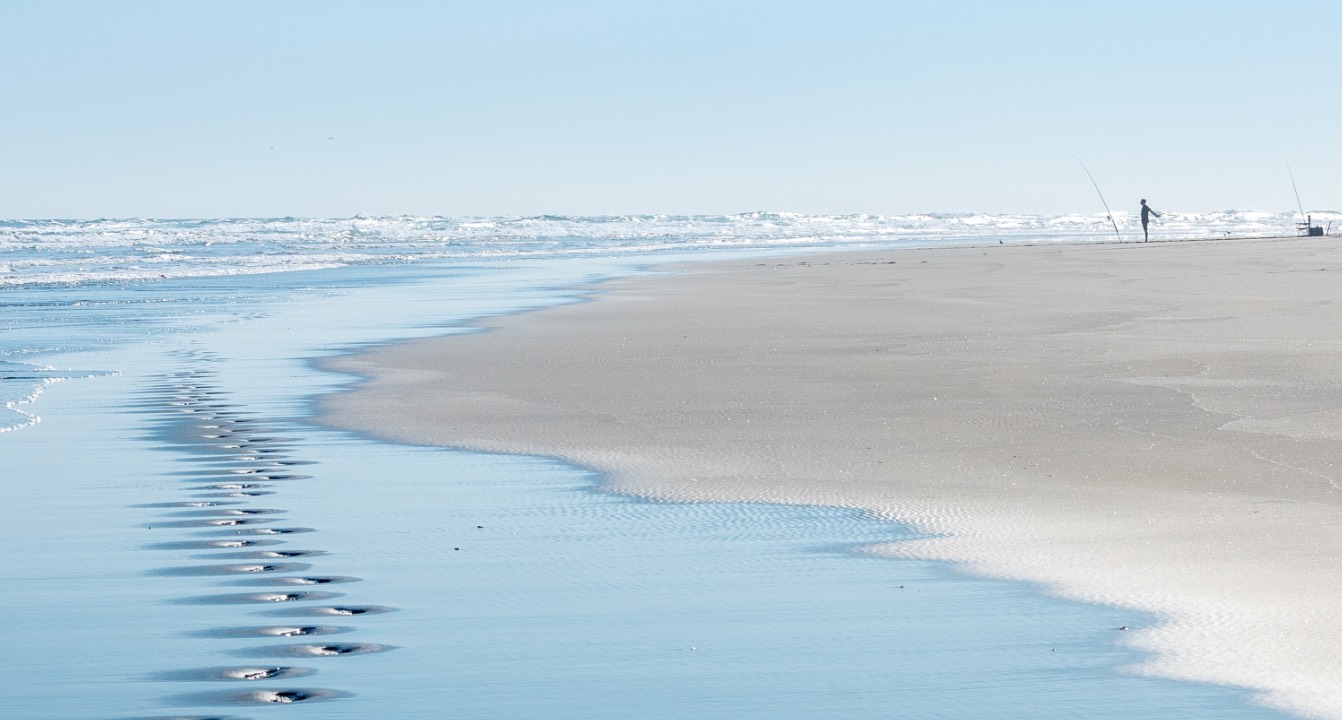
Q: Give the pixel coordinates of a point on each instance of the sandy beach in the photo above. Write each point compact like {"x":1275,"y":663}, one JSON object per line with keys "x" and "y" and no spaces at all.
{"x":1152,"y":426}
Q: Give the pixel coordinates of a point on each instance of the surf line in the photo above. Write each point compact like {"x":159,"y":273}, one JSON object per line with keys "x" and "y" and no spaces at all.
{"x":1107,"y":211}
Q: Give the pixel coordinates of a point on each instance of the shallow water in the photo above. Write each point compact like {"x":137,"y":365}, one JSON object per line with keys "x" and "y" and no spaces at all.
{"x":365,"y":579}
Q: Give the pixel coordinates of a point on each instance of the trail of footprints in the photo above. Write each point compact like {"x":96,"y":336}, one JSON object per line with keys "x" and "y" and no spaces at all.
{"x":236,"y":465}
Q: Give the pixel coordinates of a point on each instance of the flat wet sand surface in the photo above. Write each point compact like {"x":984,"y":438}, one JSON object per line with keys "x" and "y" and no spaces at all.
{"x":1153,"y":426}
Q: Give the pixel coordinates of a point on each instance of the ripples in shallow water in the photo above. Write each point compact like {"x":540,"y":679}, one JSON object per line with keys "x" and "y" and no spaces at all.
{"x":315,"y":650}
{"x":335,"y":611}
{"x":273,"y":631}
{"x":234,"y":674}
{"x":283,"y":696}
{"x":232,"y":569}
{"x":258,"y":598}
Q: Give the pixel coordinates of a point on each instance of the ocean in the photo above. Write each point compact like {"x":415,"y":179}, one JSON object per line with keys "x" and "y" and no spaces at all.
{"x":183,"y":541}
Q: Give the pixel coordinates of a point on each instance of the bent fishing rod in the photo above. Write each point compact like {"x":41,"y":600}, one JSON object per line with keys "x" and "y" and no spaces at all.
{"x":1107,"y":211}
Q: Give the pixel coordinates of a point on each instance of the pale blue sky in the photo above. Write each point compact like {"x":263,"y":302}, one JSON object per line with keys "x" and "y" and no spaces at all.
{"x":323,"y":108}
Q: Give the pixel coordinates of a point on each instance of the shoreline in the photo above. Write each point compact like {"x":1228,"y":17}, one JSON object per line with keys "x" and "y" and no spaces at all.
{"x":1149,"y":430}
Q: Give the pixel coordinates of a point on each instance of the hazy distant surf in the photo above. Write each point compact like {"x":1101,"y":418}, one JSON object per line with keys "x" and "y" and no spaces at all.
{"x":81,"y":251}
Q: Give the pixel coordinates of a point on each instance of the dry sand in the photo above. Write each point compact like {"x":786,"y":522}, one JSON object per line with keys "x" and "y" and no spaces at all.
{"x":1157,"y":426}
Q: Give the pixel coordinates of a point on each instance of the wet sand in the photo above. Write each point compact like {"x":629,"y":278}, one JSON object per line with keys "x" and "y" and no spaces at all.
{"x":1153,"y":426}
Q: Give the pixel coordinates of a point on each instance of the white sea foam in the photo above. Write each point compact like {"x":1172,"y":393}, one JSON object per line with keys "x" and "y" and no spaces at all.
{"x":71,"y":252}
{"x":20,"y":387}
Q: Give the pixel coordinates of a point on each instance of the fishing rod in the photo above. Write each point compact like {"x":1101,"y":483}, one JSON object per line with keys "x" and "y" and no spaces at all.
{"x":1297,"y":192}
{"x":1102,"y":200}
{"x":1307,"y":227}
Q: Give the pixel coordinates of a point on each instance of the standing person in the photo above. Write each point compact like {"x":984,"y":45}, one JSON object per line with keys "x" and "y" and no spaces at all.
{"x":1147,"y":212}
